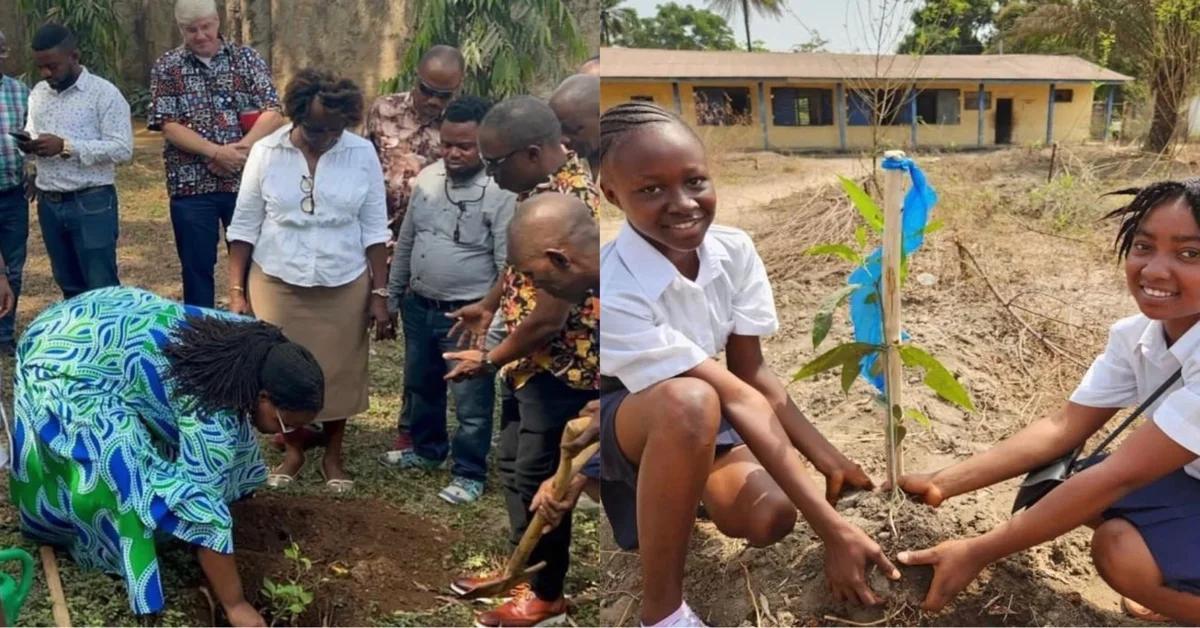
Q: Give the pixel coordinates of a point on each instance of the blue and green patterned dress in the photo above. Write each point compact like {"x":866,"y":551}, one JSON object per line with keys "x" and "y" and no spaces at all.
{"x":105,"y":459}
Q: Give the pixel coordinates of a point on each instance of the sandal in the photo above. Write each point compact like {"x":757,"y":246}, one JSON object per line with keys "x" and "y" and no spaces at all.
{"x":280,"y":480}
{"x":340,"y":486}
{"x":1137,"y":611}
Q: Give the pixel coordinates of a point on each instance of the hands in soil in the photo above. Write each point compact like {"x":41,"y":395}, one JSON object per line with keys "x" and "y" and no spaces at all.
{"x":955,"y":565}
{"x":244,"y":614}
{"x":844,"y":476}
{"x":849,"y":552}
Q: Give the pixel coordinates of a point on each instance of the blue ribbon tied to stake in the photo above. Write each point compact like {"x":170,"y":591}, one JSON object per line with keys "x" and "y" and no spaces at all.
{"x":866,"y":303}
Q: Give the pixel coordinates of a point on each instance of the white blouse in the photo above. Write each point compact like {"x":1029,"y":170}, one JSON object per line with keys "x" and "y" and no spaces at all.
{"x":324,"y":248}
{"x":655,"y":323}
{"x":1136,"y":362}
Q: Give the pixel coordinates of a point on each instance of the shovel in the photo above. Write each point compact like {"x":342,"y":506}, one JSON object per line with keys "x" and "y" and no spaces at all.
{"x":515,"y":571}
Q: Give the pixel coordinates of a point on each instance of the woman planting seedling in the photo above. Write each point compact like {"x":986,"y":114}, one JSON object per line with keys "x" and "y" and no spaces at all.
{"x":1143,"y":500}
{"x":135,"y":418}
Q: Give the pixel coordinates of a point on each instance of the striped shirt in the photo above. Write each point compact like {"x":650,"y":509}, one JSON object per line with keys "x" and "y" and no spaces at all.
{"x":14,"y":102}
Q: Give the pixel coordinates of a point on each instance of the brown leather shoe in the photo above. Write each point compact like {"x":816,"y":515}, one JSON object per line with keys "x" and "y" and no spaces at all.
{"x":525,"y":609}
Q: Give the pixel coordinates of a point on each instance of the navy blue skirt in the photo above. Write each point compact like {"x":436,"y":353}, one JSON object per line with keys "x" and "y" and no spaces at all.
{"x":618,"y":476}
{"x":1167,"y":514}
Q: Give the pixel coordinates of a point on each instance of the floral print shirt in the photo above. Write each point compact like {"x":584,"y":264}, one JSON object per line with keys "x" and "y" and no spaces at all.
{"x":574,"y":355}
{"x":405,"y":144}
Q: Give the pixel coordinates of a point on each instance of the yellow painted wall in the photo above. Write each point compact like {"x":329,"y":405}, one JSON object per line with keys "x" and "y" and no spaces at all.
{"x":1071,"y":120}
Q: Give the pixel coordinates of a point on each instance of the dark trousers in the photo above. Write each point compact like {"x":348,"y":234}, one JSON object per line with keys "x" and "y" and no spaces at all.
{"x":530,"y":436}
{"x":80,"y":232}
{"x":14,"y":233}
{"x":426,"y":338}
{"x":197,"y":222}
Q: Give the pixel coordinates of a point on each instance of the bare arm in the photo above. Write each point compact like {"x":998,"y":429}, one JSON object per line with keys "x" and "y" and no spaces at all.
{"x":1035,"y":445}
{"x":268,"y":122}
{"x":188,"y":140}
{"x":547,"y":319}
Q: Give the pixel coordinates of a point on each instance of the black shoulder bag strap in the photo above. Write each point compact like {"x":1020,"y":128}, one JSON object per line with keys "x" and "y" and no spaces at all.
{"x":1132,"y":417}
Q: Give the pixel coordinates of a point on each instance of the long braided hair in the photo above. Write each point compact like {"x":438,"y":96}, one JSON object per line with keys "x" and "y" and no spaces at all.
{"x":1147,"y":198}
{"x":223,"y":364}
{"x":621,"y":121}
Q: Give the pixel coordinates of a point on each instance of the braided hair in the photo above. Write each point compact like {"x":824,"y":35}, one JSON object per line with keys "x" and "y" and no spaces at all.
{"x":223,"y":364}
{"x":1146,"y":199}
{"x":621,"y":121}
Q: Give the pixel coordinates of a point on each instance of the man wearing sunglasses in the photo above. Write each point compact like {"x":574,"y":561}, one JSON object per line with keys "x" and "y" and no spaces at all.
{"x":404,"y":126}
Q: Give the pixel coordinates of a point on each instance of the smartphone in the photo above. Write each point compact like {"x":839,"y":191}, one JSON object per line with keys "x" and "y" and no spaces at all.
{"x":20,"y":136}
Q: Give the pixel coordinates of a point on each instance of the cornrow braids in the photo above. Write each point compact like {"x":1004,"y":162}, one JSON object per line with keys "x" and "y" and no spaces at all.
{"x":223,"y":364}
{"x":1145,"y":199}
{"x":620,"y":121}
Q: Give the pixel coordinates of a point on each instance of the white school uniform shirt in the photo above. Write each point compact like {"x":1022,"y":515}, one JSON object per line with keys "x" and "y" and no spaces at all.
{"x":93,"y":117}
{"x":1136,"y":362}
{"x":656,"y":324}
{"x":324,"y":248}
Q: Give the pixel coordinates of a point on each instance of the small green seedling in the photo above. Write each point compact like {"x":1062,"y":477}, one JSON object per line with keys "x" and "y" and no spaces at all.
{"x":288,"y":601}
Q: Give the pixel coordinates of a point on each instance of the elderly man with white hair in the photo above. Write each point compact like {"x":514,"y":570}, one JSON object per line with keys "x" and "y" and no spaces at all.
{"x":212,"y":99}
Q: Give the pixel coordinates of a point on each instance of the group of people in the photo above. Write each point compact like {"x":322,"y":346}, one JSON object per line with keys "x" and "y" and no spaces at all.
{"x":467,"y":226}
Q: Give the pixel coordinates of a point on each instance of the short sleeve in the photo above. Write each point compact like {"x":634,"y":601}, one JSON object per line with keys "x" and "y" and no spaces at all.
{"x":639,"y":350}
{"x":164,"y":103}
{"x":259,"y":78}
{"x":1179,"y":414}
{"x":1110,"y":382}
{"x":754,"y":303}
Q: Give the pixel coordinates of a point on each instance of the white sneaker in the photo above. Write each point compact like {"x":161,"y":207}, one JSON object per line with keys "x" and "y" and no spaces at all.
{"x":681,"y":618}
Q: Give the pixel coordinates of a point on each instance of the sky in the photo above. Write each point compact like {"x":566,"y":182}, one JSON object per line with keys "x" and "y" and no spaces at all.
{"x":849,"y":25}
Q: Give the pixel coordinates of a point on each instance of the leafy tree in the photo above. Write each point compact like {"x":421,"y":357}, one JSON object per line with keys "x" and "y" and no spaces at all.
{"x":507,"y":45}
{"x":615,"y":21}
{"x":95,"y":23}
{"x":949,"y":27}
{"x":1157,"y":41}
{"x":678,"y":27}
{"x":765,"y":8}
{"x":815,"y":43}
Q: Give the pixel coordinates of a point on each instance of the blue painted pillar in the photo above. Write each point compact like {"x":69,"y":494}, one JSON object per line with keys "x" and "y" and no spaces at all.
{"x":979,"y":109}
{"x":839,"y":98}
{"x":1050,"y":117}
{"x":1108,"y":111}
{"x":912,"y":112}
{"x":762,"y":114}
{"x":678,"y":100}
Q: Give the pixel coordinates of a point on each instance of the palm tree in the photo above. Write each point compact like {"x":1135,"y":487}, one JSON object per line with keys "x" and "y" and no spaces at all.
{"x":95,"y":23}
{"x":508,"y":46}
{"x":616,"y":21}
{"x":765,"y":8}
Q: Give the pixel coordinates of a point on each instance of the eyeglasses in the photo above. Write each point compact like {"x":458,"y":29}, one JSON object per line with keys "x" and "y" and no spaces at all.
{"x":491,"y":165}
{"x":283,"y":428}
{"x":433,"y":92}
{"x":461,"y":205}
{"x":308,"y":204}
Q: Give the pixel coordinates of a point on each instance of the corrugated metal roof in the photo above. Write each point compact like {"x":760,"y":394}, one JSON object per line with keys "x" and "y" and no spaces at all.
{"x":640,"y":63}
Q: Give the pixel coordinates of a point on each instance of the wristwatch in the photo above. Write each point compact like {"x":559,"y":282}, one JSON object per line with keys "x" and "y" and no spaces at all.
{"x":490,"y":366}
{"x":380,"y":292}
{"x":66,"y":153}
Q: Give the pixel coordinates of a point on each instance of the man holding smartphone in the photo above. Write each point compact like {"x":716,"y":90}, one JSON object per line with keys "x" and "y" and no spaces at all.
{"x":80,"y":129}
{"x":14,"y":205}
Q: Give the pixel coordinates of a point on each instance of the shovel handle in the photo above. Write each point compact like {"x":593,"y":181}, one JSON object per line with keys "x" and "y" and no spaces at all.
{"x":62,"y":617}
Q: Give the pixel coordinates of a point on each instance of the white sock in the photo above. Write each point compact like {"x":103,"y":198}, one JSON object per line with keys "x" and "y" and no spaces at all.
{"x":683,"y":616}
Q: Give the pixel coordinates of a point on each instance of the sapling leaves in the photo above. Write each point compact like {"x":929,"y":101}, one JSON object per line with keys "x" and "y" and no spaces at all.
{"x":934,"y":225}
{"x":849,"y":374}
{"x":916,"y":415}
{"x":863,"y":203}
{"x":839,"y":355}
{"x":860,"y":236}
{"x":824,"y":318}
{"x":937,"y":377}
{"x":840,"y":250}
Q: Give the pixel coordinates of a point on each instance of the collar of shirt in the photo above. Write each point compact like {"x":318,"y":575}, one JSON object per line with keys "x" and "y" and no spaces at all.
{"x":571,"y":170}
{"x":223,"y":50}
{"x":1153,"y":343}
{"x":83,"y":83}
{"x":654,"y":271}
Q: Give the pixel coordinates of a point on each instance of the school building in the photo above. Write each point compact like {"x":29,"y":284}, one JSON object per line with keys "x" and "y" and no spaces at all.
{"x":814,"y":101}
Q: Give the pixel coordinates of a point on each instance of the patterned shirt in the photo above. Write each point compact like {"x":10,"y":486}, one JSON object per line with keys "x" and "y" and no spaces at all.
{"x":406,"y":145}
{"x":207,"y":99}
{"x":14,"y":102}
{"x":574,"y":355}
{"x":93,"y":117}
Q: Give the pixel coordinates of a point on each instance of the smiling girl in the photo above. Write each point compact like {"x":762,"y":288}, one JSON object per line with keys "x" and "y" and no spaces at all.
{"x":1144,"y":499}
{"x":678,"y":428}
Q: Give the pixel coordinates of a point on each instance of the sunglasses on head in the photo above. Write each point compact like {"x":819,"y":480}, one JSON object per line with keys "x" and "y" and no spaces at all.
{"x":433,"y":92}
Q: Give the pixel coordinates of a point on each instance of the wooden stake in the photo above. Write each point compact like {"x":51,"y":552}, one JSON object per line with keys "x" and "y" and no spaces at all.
{"x":62,"y":617}
{"x":893,"y":201}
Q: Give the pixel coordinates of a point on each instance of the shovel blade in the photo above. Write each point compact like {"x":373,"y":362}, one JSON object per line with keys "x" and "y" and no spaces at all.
{"x":500,"y":585}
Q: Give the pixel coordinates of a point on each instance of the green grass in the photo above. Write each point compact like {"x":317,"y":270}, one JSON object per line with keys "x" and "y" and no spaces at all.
{"x":147,"y":258}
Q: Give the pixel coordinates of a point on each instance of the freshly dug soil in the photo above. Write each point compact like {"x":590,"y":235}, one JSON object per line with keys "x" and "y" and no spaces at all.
{"x":368,"y":557}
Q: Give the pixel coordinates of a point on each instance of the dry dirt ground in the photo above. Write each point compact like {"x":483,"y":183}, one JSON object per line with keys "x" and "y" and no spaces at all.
{"x":382,"y":556}
{"x":1054,"y":281}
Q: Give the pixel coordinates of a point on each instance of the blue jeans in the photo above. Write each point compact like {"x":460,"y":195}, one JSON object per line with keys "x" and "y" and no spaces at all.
{"x":425,"y":340}
{"x":80,"y":234}
{"x":196,"y":221}
{"x":14,"y":232}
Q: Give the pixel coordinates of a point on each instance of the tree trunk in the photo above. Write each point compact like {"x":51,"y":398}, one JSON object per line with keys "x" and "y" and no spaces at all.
{"x":1167,"y":94}
{"x":746,"y":16}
